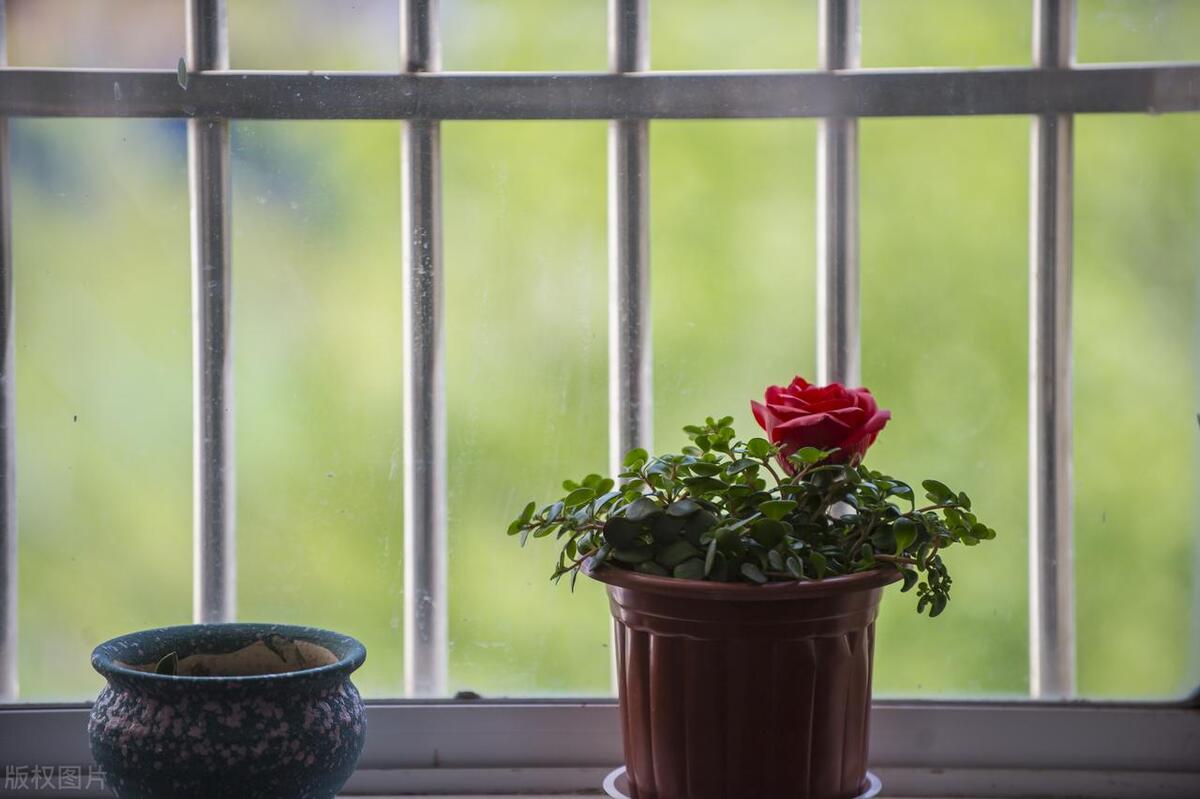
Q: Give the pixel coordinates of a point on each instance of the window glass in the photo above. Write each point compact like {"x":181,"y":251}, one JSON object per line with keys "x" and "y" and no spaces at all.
{"x":103,"y":375}
{"x":1136,"y":334}
{"x":524,"y":35}
{"x":317,"y":345}
{"x":1138,"y":30}
{"x":712,"y":34}
{"x":102,"y":280}
{"x":129,"y":34}
{"x":527,"y":397}
{"x":944,"y":347}
{"x":314,"y":34}
{"x":946,"y":33}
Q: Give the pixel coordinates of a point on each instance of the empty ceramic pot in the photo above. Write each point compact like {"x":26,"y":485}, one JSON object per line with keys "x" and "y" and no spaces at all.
{"x":228,"y":710}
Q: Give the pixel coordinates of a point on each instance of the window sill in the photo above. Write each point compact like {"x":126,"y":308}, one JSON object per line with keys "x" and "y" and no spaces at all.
{"x":567,"y":747}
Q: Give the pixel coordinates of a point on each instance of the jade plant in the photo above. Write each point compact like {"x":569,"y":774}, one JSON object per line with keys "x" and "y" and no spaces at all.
{"x":798,"y":504}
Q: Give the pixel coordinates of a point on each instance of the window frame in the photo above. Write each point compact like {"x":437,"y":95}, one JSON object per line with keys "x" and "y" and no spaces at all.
{"x":920,"y":748}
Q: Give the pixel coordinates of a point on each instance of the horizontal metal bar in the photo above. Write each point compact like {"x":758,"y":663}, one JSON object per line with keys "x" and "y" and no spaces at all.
{"x":1136,"y":88}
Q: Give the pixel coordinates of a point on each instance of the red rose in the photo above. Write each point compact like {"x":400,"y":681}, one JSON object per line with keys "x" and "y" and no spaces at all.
{"x":826,"y":417}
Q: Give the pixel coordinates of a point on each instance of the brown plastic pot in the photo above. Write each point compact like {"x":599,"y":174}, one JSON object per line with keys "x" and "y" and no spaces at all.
{"x":739,"y":691}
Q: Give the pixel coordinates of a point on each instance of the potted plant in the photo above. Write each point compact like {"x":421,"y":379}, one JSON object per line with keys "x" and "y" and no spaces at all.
{"x":744,"y":578}
{"x":252,"y":711}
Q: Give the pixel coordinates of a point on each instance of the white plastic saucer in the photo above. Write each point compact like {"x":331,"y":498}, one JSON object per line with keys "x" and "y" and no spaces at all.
{"x":616,"y":785}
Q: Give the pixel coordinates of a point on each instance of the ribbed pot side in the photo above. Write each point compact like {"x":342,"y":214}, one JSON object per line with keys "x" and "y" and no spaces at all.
{"x":737,"y":691}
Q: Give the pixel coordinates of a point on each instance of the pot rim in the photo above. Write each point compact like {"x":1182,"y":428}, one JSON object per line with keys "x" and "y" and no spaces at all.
{"x":349,"y":651}
{"x":743,"y":592}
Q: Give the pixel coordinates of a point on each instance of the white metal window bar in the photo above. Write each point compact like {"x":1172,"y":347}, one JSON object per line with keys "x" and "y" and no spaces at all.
{"x":628,"y":96}
{"x":425,"y":541}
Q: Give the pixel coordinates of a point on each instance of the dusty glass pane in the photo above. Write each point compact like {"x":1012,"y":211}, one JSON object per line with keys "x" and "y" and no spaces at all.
{"x":128,"y":34}
{"x":712,"y":34}
{"x":524,"y":35}
{"x":946,"y":33}
{"x":1138,"y":30}
{"x":527,"y":398}
{"x":732,"y":274}
{"x":103,"y":400}
{"x":317,"y":332}
{"x":944,"y":341}
{"x":1136,"y":334}
{"x":314,"y":34}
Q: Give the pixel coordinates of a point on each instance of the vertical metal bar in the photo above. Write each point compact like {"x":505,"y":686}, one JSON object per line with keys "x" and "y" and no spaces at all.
{"x":8,"y":429}
{"x":630,"y":404}
{"x":838,"y":353}
{"x":214,"y":559}
{"x":425,"y":540}
{"x":1051,"y":582}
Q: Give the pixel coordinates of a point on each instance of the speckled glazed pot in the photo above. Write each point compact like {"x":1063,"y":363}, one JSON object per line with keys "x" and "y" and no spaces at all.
{"x":255,"y":710}
{"x":739,"y":691}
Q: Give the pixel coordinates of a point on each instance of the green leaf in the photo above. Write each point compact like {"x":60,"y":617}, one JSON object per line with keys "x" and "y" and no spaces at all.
{"x":769,"y":532}
{"x":674,"y":554}
{"x":758,"y":447}
{"x":666,"y":529}
{"x":775,"y":560}
{"x":642,"y":509}
{"x":793,"y":566}
{"x":554,"y":511}
{"x":705,"y":469}
{"x":704,"y":485}
{"x":697,"y":524}
{"x":964,"y":500}
{"x":634,"y":555}
{"x":753,"y":573}
{"x":777,"y":508}
{"x":620,"y":532}
{"x":906,"y":534}
{"x":710,"y":557}
{"x":527,"y":514}
{"x":683,"y":507}
{"x":579,"y":496}
{"x":819,"y":562}
{"x":635,"y":457}
{"x":809,"y":455}
{"x":650,"y":567}
{"x":514,"y":527}
{"x":737,"y":467}
{"x":692,"y":569}
{"x":938,"y":492}
{"x":910,"y":579}
{"x":168,"y":664}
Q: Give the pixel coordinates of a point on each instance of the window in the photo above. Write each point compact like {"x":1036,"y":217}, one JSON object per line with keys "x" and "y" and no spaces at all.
{"x":925,"y":153}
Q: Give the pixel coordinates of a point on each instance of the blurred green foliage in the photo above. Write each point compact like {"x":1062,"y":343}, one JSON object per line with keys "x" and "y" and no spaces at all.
{"x":103,"y":353}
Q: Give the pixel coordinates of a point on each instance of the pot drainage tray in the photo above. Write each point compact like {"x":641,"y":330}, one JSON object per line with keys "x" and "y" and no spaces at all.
{"x":616,"y":785}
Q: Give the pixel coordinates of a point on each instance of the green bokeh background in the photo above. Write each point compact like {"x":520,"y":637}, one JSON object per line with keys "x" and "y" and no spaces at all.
{"x":103,"y":353}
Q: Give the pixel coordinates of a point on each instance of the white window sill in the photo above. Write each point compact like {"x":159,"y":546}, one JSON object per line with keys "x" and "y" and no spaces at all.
{"x":567,"y":748}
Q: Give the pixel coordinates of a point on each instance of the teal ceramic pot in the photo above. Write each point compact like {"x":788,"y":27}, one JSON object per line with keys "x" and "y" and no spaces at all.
{"x":254,"y":710}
